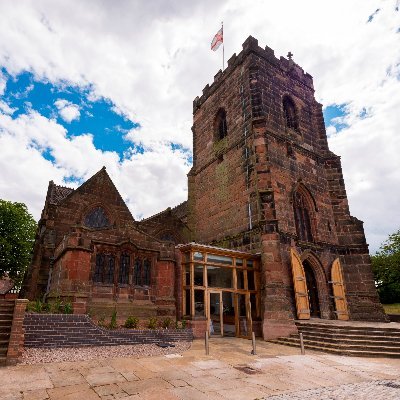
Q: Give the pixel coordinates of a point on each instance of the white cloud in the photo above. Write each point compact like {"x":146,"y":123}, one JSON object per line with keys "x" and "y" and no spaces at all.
{"x":3,"y":83}
{"x":68,"y":111}
{"x":153,"y":58}
{"x":6,"y":109}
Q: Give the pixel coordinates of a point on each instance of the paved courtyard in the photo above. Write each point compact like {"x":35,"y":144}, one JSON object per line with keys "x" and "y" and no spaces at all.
{"x":229,"y":372}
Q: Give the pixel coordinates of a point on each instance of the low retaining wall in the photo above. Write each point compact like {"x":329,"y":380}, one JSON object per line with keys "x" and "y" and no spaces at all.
{"x":69,"y":330}
{"x":394,"y":317}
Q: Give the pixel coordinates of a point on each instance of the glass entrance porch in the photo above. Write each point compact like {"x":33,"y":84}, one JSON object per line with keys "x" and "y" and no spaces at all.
{"x":221,"y":286}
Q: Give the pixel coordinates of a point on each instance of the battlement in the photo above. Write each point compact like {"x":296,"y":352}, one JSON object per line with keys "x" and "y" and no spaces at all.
{"x":250,"y":46}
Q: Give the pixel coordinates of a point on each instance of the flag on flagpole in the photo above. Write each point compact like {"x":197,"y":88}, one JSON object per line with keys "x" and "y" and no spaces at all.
{"x":218,"y":39}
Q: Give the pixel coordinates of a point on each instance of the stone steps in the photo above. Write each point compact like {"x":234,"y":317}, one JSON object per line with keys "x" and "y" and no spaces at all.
{"x":6,"y":317}
{"x":346,"y":339}
{"x":57,"y":330}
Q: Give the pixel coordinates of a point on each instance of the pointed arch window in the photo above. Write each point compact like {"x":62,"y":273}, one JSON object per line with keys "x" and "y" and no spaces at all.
{"x":290,"y":111}
{"x":221,"y":127}
{"x":303,"y":216}
{"x":96,"y":218}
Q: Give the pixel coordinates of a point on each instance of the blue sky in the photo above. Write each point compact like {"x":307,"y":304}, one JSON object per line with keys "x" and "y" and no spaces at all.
{"x":96,"y":116}
{"x":113,"y":84}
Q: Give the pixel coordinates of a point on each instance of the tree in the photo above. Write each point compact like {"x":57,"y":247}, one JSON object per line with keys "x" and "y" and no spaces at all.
{"x":17,"y":234}
{"x":386,"y":267}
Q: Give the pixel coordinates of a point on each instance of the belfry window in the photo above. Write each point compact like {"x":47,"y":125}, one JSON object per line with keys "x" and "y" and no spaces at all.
{"x":221,"y":127}
{"x":289,"y":109}
{"x":104,"y":269}
{"x":302,"y":216}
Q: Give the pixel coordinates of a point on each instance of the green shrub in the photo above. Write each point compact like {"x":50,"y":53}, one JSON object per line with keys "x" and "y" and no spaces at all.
{"x":102,"y":321}
{"x":68,"y":308}
{"x":132,"y":322}
{"x":56,"y":306}
{"x":152,"y":323}
{"x":180,"y":324}
{"x":167,"y":323}
{"x":37,"y":306}
{"x":113,"y":321}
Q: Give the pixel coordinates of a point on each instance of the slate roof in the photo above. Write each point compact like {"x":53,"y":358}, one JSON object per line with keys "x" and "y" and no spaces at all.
{"x":59,"y":193}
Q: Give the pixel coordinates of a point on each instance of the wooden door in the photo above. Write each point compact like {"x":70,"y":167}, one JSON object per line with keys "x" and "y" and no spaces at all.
{"x":300,"y":286}
{"x":339,"y":293}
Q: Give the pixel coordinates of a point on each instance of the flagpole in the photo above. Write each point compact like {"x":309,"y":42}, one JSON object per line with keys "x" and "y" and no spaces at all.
{"x":223,"y":47}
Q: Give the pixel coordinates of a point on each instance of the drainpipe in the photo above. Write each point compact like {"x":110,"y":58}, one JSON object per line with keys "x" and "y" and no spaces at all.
{"x":250,"y":221}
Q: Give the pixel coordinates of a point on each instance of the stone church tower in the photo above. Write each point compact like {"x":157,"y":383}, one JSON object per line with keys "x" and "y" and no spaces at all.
{"x":264,"y":181}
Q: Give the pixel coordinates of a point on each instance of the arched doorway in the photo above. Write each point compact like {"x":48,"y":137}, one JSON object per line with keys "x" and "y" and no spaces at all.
{"x":312,"y":290}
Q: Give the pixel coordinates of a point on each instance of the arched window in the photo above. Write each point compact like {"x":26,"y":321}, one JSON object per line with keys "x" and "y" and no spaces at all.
{"x":124,"y":269}
{"x":96,"y":218}
{"x":289,"y":109}
{"x":220,"y":126}
{"x":303,"y":216}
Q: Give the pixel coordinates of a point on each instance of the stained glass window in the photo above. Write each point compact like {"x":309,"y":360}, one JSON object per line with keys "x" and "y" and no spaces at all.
{"x":96,"y":218}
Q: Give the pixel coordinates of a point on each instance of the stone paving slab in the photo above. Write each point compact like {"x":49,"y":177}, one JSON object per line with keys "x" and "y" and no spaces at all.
{"x":373,"y":390}
{"x":229,"y":372}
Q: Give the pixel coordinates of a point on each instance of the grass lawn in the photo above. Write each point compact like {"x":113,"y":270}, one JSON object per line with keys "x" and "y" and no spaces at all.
{"x":392,"y":308}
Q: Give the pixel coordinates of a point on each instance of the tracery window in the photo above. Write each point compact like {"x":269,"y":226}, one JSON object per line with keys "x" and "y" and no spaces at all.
{"x":124,"y":269}
{"x":104,"y":269}
{"x":302,"y":215}
{"x":142,"y":272}
{"x":221,"y":127}
{"x":96,"y":218}
{"x":290,"y":113}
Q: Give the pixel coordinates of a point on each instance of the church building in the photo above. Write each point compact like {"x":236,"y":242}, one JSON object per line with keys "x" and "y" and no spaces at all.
{"x":265,"y":237}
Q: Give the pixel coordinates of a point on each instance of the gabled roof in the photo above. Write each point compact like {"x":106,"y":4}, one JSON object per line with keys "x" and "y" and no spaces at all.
{"x":57,"y":194}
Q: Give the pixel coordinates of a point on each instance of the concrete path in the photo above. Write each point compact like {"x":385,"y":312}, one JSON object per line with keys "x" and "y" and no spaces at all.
{"x":229,"y":372}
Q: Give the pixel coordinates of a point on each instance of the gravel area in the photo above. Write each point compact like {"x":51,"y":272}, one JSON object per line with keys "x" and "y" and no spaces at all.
{"x":37,"y":355}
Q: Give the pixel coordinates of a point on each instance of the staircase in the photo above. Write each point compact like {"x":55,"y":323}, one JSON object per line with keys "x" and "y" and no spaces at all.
{"x":347,"y":338}
{"x":6,"y":318}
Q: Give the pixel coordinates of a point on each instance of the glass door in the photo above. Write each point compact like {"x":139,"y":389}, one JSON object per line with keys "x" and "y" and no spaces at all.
{"x":215,"y":314}
{"x":228,"y":305}
{"x":243,"y":320}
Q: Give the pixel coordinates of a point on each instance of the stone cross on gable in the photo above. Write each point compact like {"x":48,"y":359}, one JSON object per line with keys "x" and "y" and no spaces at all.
{"x":290,"y":55}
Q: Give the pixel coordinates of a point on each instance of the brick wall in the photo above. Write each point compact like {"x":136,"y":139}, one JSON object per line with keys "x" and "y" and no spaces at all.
{"x":16,"y":341}
{"x":61,"y":330}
